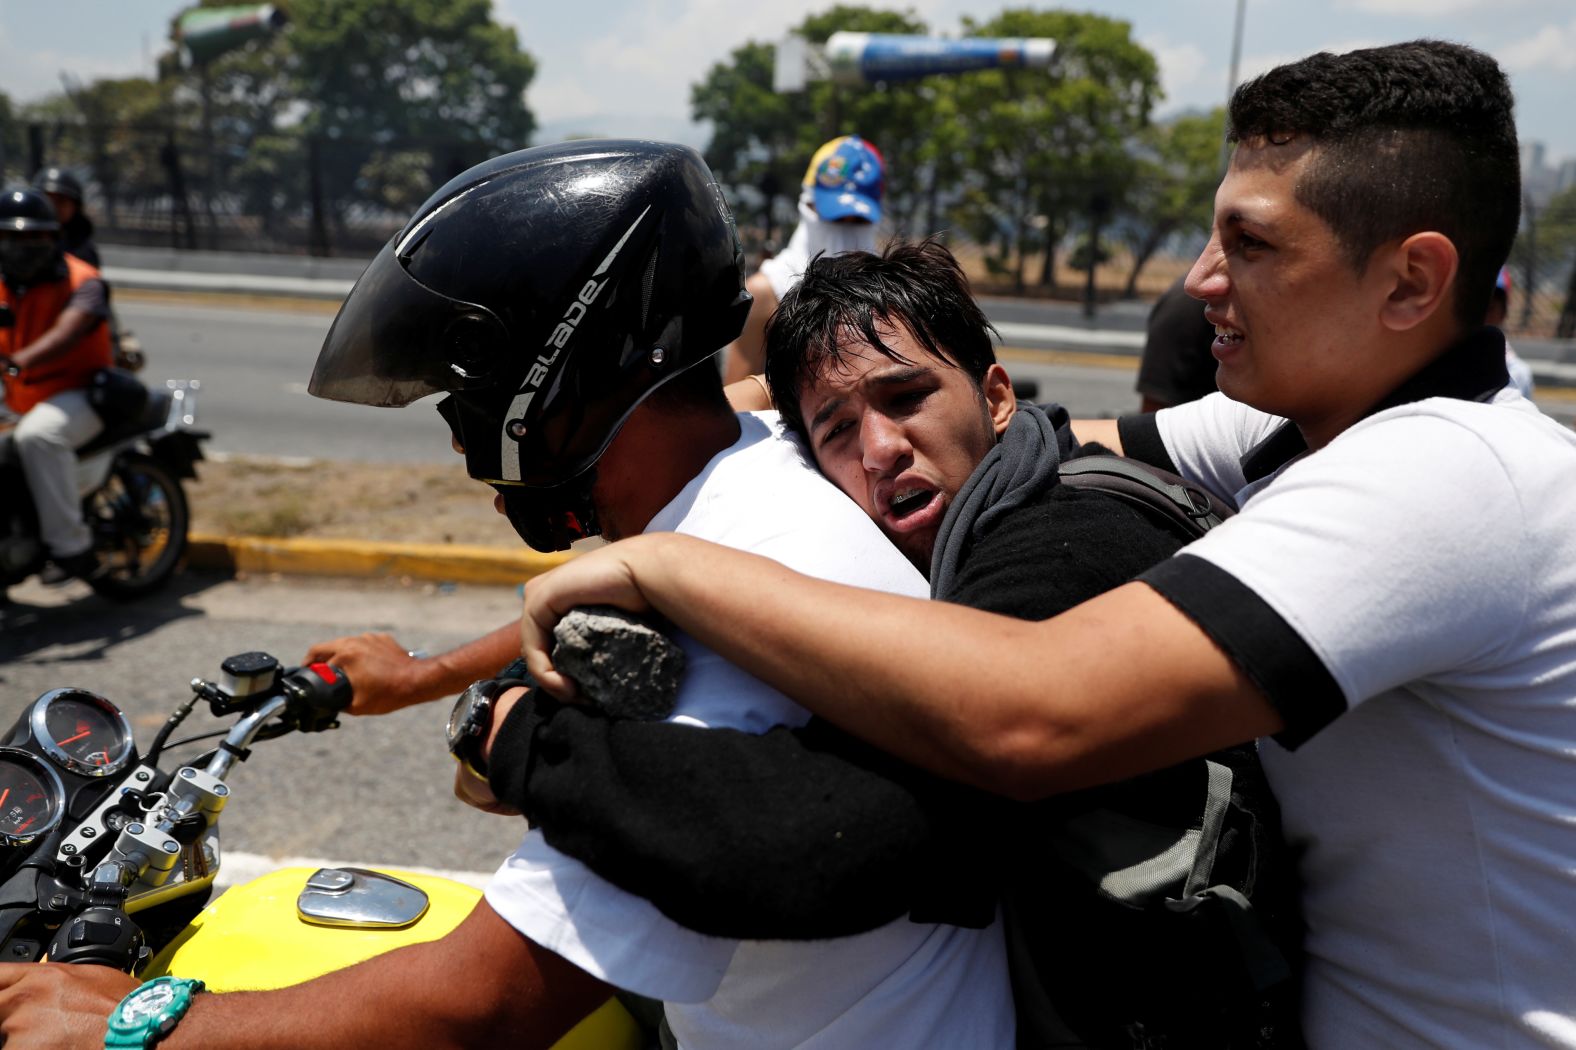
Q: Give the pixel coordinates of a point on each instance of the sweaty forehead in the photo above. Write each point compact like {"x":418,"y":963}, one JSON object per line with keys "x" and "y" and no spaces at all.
{"x":862,"y":365}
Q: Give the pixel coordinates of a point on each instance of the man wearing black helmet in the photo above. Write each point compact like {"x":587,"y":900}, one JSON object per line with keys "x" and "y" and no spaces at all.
{"x":54,"y":337}
{"x":76,"y":229}
{"x":568,"y":300}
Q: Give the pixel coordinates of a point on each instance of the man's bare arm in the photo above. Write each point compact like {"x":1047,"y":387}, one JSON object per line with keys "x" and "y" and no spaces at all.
{"x":481,"y":985}
{"x":750,"y":394}
{"x":1098,"y":431}
{"x":1121,"y":684}
{"x":384,"y":677}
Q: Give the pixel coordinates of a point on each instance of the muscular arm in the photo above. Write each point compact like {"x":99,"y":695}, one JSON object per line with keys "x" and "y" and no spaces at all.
{"x":69,"y":327}
{"x":481,"y":985}
{"x":384,"y":677}
{"x":1121,"y":684}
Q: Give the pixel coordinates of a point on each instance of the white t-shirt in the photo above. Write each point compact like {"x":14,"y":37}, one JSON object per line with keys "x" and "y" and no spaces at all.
{"x":810,"y":238}
{"x":1426,"y":558}
{"x":1521,"y":376}
{"x":905,"y":984}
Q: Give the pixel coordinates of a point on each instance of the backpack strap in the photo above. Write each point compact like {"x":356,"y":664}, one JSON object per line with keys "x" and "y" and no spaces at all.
{"x":1175,"y":500}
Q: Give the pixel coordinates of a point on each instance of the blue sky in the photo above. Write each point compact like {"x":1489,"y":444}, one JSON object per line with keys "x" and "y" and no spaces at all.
{"x":625,"y":66}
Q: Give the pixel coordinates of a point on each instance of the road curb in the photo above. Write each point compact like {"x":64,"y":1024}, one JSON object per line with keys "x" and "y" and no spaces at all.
{"x":443,"y":563}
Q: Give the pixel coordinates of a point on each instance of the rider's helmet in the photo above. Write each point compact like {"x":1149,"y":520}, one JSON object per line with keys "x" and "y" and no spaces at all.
{"x":29,"y":235}
{"x":58,"y":181}
{"x":26,"y":210}
{"x":547,"y":292}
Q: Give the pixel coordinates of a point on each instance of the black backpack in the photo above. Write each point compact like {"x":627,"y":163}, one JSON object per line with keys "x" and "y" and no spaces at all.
{"x":1145,"y":920}
{"x":1175,"y":501}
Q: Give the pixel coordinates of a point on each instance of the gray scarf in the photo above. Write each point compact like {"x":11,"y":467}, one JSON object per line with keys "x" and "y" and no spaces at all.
{"x":1023,"y":463}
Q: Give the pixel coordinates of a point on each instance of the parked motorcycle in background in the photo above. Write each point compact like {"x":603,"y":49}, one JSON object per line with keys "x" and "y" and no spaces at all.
{"x":106,"y":858}
{"x":130,"y":477}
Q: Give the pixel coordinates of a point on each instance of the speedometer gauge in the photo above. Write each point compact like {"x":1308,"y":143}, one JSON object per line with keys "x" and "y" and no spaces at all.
{"x":82,"y":732}
{"x":31,"y":798}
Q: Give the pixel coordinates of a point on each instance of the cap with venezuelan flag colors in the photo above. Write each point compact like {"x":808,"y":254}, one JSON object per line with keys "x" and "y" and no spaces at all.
{"x":846,"y":178}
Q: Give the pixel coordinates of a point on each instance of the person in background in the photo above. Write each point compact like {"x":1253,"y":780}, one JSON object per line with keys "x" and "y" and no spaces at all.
{"x":1176,"y":365}
{"x":64,"y":191}
{"x":57,"y":337}
{"x":839,"y":207}
{"x":1498,"y":311}
{"x":76,"y":229}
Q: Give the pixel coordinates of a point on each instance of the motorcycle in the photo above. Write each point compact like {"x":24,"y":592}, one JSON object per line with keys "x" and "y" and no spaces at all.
{"x":130,"y":478}
{"x":106,"y":858}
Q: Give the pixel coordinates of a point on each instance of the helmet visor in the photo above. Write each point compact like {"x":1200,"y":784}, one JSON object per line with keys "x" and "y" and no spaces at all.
{"x":395,"y":340}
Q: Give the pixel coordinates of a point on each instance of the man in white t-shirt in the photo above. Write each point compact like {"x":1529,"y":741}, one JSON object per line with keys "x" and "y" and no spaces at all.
{"x":1392,"y":611}
{"x":573,"y":330}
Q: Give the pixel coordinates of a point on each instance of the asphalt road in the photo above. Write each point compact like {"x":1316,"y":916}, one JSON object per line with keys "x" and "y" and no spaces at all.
{"x":254,"y":365}
{"x":376,"y":790}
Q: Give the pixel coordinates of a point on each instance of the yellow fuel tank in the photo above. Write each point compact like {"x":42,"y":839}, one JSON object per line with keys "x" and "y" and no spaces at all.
{"x":253,"y":937}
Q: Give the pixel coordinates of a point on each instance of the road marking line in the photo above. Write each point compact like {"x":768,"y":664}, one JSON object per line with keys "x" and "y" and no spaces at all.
{"x":1074,"y":358}
{"x":1070,"y":334}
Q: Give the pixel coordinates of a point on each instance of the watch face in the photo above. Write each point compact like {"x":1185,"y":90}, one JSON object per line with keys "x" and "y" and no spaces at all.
{"x":148,"y":1004}
{"x":465,"y":719}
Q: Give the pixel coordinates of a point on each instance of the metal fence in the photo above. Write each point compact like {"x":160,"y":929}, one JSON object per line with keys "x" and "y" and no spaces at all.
{"x":286,"y":192}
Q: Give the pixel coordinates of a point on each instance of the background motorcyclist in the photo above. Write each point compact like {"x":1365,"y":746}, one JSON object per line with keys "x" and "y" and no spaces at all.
{"x":76,"y":229}
{"x":54,"y":310}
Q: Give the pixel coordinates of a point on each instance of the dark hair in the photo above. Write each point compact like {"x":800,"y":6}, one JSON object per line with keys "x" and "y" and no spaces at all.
{"x":918,"y":284}
{"x":1411,"y":137}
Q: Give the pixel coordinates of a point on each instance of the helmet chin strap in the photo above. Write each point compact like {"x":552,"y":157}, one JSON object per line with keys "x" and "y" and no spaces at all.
{"x":551,"y":519}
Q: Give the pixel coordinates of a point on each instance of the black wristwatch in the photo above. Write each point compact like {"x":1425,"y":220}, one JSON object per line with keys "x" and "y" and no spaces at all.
{"x":471,"y":721}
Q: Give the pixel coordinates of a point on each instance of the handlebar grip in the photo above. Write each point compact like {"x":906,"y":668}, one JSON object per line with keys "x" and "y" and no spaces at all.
{"x":102,"y":935}
{"x":320,"y":691}
{"x":329,"y":685}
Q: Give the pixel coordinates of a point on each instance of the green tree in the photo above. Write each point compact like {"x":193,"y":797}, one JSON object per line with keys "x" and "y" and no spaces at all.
{"x":1547,"y":244}
{"x":764,"y":140}
{"x":392,"y":84}
{"x":1051,"y":151}
{"x":441,"y":70}
{"x":13,"y":154}
{"x":246,"y":99}
{"x":1173,"y":189}
{"x":112,"y":129}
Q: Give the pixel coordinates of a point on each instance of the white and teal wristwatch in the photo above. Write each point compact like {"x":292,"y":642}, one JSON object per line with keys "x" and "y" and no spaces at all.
{"x":148,"y":1013}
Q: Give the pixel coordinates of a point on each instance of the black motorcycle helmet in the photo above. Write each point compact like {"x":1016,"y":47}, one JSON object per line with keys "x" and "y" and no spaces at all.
{"x":24,"y":209}
{"x":548,"y":292}
{"x":58,"y":180}
{"x":29,"y":236}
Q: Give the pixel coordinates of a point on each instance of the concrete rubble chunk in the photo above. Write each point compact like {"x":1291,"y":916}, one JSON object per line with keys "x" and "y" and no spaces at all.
{"x":623,"y":665}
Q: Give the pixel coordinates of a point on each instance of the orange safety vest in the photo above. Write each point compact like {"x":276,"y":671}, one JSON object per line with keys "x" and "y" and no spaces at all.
{"x":36,"y":312}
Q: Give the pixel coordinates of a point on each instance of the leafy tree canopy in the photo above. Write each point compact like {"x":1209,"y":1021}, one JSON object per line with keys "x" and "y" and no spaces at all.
{"x":762,"y":138}
{"x":412,"y":68}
